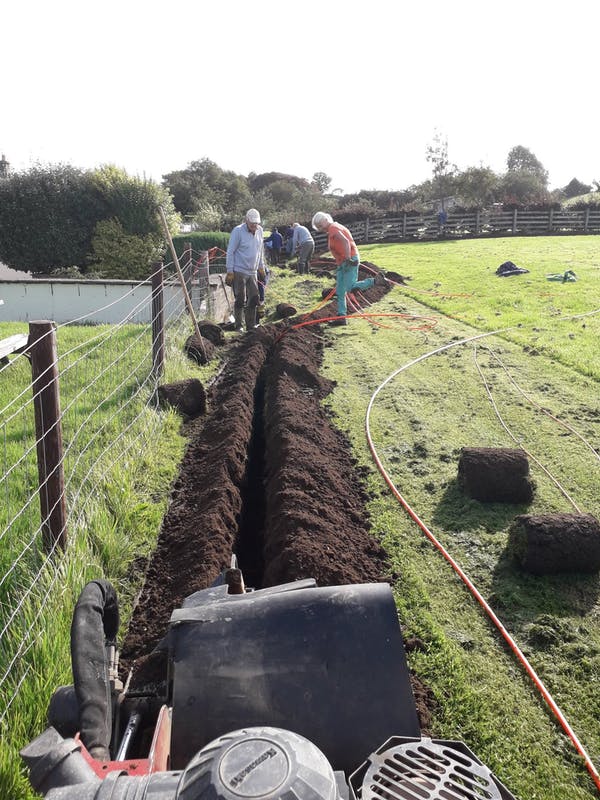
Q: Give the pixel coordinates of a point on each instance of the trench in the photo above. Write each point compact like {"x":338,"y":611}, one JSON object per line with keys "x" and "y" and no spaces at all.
{"x":249,"y":541}
{"x":265,"y":475}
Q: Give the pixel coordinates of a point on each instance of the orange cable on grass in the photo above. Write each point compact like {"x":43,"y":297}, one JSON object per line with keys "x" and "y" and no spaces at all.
{"x":455,"y":566}
{"x":366,"y":316}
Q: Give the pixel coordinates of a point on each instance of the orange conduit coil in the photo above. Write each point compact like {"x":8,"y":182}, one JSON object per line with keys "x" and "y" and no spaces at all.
{"x":466,"y":580}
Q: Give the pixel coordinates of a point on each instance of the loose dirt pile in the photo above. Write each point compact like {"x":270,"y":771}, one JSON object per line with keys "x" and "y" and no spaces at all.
{"x":265,"y":476}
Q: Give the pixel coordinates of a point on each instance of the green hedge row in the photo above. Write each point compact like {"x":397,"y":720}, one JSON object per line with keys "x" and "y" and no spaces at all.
{"x":200,"y":240}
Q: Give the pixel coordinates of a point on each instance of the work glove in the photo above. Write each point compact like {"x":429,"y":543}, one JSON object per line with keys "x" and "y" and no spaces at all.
{"x":229,"y":279}
{"x":261,"y":274}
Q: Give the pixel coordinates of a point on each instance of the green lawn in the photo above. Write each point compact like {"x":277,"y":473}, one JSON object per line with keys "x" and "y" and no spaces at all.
{"x":544,"y":358}
{"x":490,"y":392}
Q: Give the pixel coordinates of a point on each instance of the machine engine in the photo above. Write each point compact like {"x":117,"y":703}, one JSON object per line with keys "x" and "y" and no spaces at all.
{"x":295,"y":692}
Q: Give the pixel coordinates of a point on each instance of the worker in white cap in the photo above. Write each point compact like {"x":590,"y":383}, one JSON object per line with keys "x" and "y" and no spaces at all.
{"x":245,"y":266}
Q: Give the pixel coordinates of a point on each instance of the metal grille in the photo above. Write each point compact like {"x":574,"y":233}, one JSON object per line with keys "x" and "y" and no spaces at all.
{"x":427,"y":771}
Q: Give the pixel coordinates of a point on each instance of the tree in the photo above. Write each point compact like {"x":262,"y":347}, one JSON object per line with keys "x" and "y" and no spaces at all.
{"x":284,"y":193}
{"x":265,"y":179}
{"x":523,"y":188}
{"x":443,"y":170}
{"x":520,"y":159}
{"x":477,"y":186}
{"x":204,"y":183}
{"x":526,"y":180}
{"x":208,"y":217}
{"x":321,"y":181}
{"x":574,"y":188}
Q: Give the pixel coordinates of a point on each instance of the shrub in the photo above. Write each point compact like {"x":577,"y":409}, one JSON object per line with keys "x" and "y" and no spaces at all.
{"x":200,"y":240}
{"x":47,"y":218}
{"x":122,"y":255}
{"x":354,"y":212}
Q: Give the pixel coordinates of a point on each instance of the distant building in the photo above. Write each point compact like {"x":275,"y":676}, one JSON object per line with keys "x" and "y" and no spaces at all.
{"x":4,"y":167}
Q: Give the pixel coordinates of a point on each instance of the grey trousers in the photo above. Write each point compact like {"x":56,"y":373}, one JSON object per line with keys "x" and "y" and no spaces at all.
{"x":245,"y":292}
{"x":305,"y":252}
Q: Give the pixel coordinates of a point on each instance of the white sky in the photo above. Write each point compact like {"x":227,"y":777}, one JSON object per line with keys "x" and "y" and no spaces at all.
{"x":355,"y":90}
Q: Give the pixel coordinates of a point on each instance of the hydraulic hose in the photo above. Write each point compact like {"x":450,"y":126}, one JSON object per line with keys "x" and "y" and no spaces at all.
{"x":455,"y":566}
{"x":95,"y":621}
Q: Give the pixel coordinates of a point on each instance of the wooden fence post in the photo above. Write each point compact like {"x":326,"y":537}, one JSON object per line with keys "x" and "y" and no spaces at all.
{"x":204,"y":275}
{"x":48,"y":431}
{"x":188,"y":268}
{"x":514,"y":227}
{"x":158,"y":321}
{"x":367,"y":231}
{"x":587,"y":220}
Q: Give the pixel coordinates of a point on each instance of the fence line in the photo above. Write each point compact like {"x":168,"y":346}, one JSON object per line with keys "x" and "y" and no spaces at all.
{"x":107,"y":407}
{"x":411,"y":226}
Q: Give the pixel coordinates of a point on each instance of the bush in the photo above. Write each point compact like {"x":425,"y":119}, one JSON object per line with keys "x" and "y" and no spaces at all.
{"x":121,"y":255}
{"x":50,"y":219}
{"x":47,"y":218}
{"x":355,"y":212}
{"x":200,"y":240}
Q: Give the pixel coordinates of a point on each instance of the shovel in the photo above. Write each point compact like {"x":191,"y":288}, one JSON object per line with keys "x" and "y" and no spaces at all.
{"x":231,"y":317}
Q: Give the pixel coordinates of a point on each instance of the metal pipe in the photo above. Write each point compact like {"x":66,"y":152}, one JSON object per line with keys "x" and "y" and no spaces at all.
{"x":130,"y":731}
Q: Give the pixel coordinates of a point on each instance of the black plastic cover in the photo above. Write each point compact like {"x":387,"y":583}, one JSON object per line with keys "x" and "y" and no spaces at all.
{"x":327,"y":663}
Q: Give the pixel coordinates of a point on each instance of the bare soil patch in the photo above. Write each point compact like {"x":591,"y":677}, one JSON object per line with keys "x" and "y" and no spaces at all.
{"x":265,"y":476}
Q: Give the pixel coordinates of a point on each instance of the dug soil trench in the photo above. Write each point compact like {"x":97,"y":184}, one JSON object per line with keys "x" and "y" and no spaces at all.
{"x":265,"y":476}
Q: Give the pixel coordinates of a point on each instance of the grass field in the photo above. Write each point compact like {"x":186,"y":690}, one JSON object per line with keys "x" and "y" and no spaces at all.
{"x":487,"y":392}
{"x":490,"y":392}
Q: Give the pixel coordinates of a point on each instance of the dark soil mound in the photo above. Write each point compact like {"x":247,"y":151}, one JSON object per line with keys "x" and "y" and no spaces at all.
{"x":187,"y":397}
{"x":265,"y":476}
{"x":199,"y":349}
{"x":208,"y":330}
{"x":283,"y":310}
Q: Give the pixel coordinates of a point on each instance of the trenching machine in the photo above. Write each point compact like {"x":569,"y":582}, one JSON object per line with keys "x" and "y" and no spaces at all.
{"x":293,"y":692}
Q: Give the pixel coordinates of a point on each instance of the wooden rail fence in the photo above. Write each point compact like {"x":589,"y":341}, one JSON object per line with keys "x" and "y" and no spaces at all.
{"x":460,"y":225}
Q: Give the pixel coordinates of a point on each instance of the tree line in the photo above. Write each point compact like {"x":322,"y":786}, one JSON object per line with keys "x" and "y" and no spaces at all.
{"x":64,"y":221}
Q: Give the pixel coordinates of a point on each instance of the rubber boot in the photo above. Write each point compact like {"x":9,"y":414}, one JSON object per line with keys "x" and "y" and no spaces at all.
{"x":238,"y":319}
{"x":250,"y":314}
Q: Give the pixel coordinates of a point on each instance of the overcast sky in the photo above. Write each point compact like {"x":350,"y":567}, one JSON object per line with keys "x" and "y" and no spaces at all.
{"x":355,"y":90}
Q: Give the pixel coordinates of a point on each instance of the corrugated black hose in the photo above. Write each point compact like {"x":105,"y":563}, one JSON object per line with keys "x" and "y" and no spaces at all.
{"x":95,"y":621}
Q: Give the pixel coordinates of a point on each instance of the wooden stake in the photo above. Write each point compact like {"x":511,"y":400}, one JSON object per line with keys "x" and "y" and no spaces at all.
{"x":188,"y":301}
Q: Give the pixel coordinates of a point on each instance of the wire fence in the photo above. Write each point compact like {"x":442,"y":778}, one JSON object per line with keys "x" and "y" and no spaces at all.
{"x":108,"y":381}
